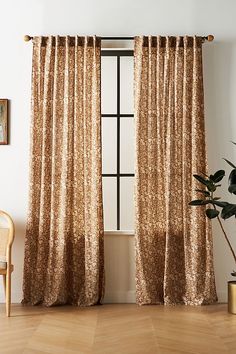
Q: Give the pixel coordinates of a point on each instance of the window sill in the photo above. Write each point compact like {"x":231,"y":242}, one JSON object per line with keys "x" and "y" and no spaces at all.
{"x":119,"y":233}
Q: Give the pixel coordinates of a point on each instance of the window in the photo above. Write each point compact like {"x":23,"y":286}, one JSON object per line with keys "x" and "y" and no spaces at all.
{"x":117,"y":139}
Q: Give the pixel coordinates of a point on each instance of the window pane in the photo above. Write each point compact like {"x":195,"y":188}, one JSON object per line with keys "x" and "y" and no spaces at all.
{"x":108,"y":85}
{"x":109,"y":145}
{"x":127,"y":145}
{"x":110,"y":202}
{"x":127,"y":203}
{"x":126,"y":85}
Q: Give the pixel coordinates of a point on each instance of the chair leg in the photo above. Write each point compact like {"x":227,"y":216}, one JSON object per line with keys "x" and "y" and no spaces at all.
{"x":8,"y":293}
{"x":4,"y":283}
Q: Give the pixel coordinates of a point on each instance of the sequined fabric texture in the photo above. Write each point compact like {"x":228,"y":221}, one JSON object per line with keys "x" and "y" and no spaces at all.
{"x":64,"y":257}
{"x":174,"y":261}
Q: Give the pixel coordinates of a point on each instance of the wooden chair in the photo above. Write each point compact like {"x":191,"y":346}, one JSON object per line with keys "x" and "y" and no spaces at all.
{"x":7,"y":234}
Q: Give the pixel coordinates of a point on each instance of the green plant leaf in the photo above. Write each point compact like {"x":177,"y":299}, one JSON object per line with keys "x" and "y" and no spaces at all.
{"x":220,"y":204}
{"x":228,"y":211}
{"x":212,"y":213}
{"x":230,"y":163}
{"x":206,"y":193}
{"x":232,"y":188}
{"x":211,"y":187}
{"x":208,"y":183}
{"x":232,"y":177}
{"x":201,"y":179}
{"x":233,"y":142}
{"x":198,"y":202}
{"x":218,"y":176}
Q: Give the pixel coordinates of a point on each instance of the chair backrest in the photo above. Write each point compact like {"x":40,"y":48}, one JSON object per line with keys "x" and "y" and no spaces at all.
{"x":7,"y":234}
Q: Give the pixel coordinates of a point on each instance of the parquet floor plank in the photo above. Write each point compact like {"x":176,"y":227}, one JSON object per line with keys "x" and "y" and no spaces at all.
{"x":118,"y":329}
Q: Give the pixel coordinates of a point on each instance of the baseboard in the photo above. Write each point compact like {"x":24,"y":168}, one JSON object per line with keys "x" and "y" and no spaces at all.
{"x":110,"y":297}
{"x":120,"y":297}
{"x":129,"y":297}
{"x":222,"y":296}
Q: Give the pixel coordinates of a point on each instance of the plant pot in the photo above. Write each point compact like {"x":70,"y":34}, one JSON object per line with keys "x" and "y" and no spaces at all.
{"x":232,"y":297}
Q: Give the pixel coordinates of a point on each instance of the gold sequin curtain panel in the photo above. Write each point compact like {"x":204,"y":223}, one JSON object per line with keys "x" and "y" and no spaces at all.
{"x":174,"y":259}
{"x":64,"y":237}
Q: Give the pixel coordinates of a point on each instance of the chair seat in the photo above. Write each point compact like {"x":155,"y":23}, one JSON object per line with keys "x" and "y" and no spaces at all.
{"x":3,"y":271}
{"x":3,"y":264}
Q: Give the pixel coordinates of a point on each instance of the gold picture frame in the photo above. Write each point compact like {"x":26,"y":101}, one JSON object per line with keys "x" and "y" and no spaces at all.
{"x":3,"y":121}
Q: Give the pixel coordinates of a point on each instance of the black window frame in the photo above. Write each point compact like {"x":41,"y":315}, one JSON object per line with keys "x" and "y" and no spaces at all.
{"x":118,"y":175}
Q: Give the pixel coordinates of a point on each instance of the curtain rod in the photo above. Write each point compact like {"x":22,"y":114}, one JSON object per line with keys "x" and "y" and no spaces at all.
{"x":209,"y":38}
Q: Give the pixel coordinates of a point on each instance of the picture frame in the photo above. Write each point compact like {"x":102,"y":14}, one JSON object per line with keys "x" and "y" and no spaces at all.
{"x":3,"y":121}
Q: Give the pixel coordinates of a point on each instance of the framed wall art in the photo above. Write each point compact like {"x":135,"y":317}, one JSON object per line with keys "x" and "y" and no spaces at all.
{"x":3,"y":121}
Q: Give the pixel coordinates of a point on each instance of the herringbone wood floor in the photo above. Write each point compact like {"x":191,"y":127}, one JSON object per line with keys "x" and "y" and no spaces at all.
{"x":118,"y":329}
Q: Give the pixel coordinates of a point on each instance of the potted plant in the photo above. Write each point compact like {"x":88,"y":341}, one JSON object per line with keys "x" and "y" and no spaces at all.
{"x":216,"y":208}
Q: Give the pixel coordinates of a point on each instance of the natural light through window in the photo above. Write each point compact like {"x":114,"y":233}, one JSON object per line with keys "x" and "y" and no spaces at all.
{"x":117,"y":139}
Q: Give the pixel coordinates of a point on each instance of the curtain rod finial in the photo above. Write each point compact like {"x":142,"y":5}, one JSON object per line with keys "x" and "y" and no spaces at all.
{"x":27,"y":38}
{"x":210,"y":37}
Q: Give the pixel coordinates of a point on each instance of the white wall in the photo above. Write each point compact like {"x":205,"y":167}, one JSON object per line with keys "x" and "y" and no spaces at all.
{"x":119,"y":268}
{"x":120,"y":17}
